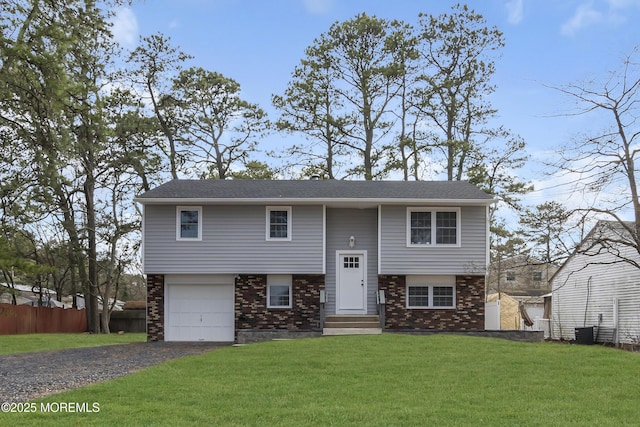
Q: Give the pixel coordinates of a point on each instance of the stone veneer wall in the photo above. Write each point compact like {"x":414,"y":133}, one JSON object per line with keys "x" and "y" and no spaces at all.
{"x":467,"y":316}
{"x":155,"y":307}
{"x":251,"y":304}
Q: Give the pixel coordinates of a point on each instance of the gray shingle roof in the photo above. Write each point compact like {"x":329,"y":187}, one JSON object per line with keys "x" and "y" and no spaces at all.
{"x":310,"y":190}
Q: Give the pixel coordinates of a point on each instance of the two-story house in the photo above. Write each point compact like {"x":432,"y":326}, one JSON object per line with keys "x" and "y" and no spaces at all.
{"x":520,"y":283}
{"x":520,"y":275}
{"x":227,"y":259}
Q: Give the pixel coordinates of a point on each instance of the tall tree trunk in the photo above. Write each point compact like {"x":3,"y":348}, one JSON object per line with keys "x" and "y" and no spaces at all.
{"x":105,"y":314}
{"x":91,"y":286}
{"x":368,"y":164}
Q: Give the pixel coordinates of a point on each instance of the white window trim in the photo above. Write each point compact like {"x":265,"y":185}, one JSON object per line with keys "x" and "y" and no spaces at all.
{"x":279,"y":280}
{"x":268,"y":223}
{"x":178,"y":224}
{"x":433,"y":211}
{"x":430,"y":282}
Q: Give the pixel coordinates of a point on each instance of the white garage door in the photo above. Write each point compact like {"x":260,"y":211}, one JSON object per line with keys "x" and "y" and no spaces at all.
{"x":199,"y":312}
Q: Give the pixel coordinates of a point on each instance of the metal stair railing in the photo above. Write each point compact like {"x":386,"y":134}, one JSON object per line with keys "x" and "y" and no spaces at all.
{"x":381,"y":301}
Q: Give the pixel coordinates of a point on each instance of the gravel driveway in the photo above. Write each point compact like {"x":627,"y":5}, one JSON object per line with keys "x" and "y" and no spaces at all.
{"x":27,"y":376}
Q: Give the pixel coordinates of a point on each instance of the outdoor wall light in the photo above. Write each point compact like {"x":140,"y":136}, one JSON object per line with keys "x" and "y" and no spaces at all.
{"x":352,"y":241}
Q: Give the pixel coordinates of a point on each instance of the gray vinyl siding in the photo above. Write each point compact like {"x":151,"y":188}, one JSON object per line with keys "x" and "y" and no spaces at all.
{"x":581,"y":293}
{"x":469,"y":257}
{"x":233,"y":242}
{"x":362,"y":224}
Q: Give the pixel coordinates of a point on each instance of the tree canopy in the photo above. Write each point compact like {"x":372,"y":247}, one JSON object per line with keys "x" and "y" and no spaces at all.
{"x":605,"y":160}
{"x":86,"y":125}
{"x":373,"y":97}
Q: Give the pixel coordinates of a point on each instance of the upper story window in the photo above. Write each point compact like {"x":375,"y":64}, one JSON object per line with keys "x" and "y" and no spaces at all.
{"x":510,"y":276}
{"x":278,"y":222}
{"x":433,"y":226}
{"x":189,"y":223}
{"x":537,"y":276}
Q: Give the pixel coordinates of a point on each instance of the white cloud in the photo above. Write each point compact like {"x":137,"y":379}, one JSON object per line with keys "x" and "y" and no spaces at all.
{"x":515,"y":11}
{"x":318,"y":7}
{"x":584,"y":16}
{"x":574,"y":191}
{"x":619,"y":10}
{"x":125,"y":27}
{"x":623,"y":4}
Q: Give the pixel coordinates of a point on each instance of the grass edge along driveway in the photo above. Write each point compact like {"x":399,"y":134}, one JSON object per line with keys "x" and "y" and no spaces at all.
{"x":24,"y":343}
{"x":380,"y":380}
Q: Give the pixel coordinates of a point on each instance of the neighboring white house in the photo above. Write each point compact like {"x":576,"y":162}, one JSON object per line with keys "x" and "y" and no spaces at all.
{"x":596,"y":288}
{"x":34,"y":296}
{"x":29,"y":295}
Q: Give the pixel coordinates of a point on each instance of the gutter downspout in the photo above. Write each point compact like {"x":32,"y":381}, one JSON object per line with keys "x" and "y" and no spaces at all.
{"x":586,"y":304}
{"x":616,"y":338}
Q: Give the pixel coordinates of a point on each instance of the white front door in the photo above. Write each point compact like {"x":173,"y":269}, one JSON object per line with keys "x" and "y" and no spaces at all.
{"x":351,"y":282}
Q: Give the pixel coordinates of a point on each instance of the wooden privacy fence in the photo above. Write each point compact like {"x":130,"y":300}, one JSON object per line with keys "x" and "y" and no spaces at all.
{"x":24,"y":319}
{"x":128,"y":321}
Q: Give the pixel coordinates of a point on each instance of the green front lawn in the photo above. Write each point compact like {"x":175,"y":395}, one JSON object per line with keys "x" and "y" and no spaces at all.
{"x":12,"y":344}
{"x":382,"y":380}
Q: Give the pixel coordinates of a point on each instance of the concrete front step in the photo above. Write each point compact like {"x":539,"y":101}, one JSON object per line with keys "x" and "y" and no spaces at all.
{"x":351,"y":325}
{"x":351,"y":331}
{"x":353,"y":318}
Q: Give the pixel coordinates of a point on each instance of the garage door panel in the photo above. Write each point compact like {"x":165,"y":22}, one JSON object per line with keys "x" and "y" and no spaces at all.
{"x":186,"y":319}
{"x":200,"y":312}
{"x":184,"y":334}
{"x":180,"y":305}
{"x":219,"y":320}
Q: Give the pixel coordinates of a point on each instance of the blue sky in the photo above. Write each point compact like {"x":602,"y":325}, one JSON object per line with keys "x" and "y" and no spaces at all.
{"x":548,"y":42}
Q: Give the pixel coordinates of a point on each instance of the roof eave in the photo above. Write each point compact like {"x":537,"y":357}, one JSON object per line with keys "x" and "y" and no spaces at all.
{"x":309,"y":201}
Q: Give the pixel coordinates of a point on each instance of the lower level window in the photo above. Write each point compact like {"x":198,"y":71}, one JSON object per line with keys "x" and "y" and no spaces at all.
{"x":442,"y":296}
{"x":418,"y":296}
{"x":279,"y":291}
{"x":431,"y":292}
